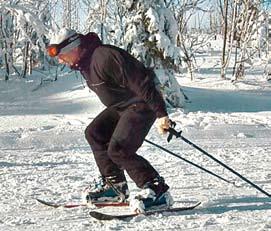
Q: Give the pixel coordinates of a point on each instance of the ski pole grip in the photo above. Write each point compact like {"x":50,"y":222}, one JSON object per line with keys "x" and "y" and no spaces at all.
{"x":172,"y":132}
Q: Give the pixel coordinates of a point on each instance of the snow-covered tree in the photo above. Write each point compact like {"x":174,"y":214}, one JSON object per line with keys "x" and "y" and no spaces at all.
{"x":23,"y":30}
{"x":70,"y":17}
{"x":6,"y":39}
{"x":190,"y":41}
{"x":261,"y":37}
{"x":247,"y":26}
{"x":97,"y":18}
{"x":108,"y":19}
{"x":151,"y":36}
{"x":241,"y":31}
{"x":118,"y":16}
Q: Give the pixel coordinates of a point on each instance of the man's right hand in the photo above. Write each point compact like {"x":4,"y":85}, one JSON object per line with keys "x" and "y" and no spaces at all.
{"x":163,"y":124}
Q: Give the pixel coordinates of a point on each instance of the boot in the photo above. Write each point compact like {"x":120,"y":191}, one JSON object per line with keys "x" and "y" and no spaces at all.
{"x":154,"y":194}
{"x":104,"y":189}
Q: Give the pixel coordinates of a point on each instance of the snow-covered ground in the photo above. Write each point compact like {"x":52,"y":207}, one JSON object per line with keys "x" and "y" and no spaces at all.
{"x":43,"y":154}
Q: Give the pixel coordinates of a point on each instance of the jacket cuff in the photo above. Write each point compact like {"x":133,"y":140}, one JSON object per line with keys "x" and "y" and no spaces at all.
{"x":161,"y":114}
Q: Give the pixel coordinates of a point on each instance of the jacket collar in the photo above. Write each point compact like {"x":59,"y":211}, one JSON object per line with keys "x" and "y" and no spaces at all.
{"x":89,"y":43}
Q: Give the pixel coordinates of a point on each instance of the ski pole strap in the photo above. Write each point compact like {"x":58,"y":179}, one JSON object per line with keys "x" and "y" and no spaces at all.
{"x":179,"y":135}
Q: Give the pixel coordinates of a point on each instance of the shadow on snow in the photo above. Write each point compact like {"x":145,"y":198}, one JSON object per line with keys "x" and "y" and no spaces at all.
{"x":221,"y":101}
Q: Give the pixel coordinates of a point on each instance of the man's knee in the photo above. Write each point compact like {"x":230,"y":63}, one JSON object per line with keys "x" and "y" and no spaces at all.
{"x":92,"y":136}
{"x":88,"y":133}
{"x":119,"y":150}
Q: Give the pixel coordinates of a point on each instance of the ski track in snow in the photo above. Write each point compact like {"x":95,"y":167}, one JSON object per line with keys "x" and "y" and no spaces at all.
{"x":43,"y":154}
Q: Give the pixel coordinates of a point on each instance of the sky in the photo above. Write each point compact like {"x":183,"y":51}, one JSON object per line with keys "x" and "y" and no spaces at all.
{"x":201,"y":17}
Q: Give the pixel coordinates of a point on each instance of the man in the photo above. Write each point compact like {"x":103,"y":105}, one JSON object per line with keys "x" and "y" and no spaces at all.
{"x":127,"y":89}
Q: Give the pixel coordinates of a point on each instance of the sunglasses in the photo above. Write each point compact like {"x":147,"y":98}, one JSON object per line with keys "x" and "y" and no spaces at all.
{"x":54,"y":49}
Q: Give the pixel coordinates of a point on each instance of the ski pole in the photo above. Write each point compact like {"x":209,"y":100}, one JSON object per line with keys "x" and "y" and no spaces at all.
{"x":204,"y":169}
{"x":173,"y":132}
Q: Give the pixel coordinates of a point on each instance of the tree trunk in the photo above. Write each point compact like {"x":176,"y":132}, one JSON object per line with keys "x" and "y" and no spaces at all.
{"x":4,"y":49}
{"x":223,"y":62}
{"x":30,"y":69}
{"x":25,"y":64}
{"x":235,"y":61}
{"x":7,"y":67}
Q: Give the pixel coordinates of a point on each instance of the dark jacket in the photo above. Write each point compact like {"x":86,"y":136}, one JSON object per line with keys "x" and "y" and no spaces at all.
{"x":117,"y":77}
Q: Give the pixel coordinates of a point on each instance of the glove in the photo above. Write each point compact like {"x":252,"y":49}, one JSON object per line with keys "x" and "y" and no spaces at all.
{"x":163,"y":124}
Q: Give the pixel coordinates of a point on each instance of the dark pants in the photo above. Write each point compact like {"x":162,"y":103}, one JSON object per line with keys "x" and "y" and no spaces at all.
{"x":115,"y":135}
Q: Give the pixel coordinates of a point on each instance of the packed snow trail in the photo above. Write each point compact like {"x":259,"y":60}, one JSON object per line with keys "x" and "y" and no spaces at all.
{"x":43,"y":154}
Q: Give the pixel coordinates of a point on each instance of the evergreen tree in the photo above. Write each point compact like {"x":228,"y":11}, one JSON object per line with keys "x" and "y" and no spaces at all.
{"x":150,"y":35}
